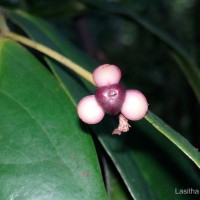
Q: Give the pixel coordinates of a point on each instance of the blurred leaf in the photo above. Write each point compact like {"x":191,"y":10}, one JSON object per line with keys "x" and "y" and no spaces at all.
{"x":120,"y":149}
{"x":43,"y":152}
{"x":175,"y":137}
{"x":114,"y":185}
{"x":183,"y":163}
{"x":183,"y":59}
{"x":53,"y":9}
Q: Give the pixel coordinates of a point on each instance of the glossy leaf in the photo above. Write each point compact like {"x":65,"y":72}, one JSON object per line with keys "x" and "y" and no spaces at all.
{"x":43,"y":152}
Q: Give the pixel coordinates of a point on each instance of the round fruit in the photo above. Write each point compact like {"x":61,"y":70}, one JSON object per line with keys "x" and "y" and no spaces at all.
{"x":89,"y":110}
{"x":135,"y":105}
{"x":106,"y":75}
{"x":111,"y":98}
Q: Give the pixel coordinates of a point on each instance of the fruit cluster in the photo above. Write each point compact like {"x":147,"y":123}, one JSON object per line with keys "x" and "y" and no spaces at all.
{"x":111,"y":98}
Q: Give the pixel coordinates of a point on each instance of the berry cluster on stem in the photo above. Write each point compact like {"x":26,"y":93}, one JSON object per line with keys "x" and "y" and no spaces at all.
{"x":111,"y":98}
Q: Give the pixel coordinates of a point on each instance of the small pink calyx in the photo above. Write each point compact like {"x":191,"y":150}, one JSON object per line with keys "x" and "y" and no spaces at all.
{"x":111,"y":98}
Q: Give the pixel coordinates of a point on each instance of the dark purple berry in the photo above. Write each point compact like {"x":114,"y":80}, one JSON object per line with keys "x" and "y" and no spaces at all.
{"x":111,"y":98}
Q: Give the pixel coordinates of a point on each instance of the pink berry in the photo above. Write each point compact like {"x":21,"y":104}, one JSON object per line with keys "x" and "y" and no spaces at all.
{"x":106,"y":75}
{"x":135,"y":105}
{"x":89,"y":110}
{"x":111,"y":98}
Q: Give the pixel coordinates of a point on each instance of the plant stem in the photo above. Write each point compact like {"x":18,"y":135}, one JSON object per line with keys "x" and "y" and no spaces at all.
{"x":51,"y":53}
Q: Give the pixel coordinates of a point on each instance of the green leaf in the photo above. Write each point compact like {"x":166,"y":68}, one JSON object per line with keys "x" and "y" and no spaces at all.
{"x":166,"y":147}
{"x":114,"y":185}
{"x":133,"y":165}
{"x":43,"y":152}
{"x":175,"y":137}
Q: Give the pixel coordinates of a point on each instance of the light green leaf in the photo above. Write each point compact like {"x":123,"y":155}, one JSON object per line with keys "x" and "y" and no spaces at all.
{"x":43,"y":152}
